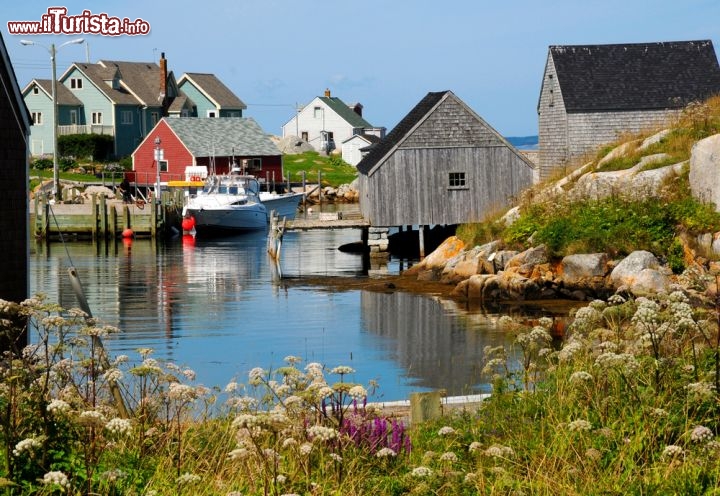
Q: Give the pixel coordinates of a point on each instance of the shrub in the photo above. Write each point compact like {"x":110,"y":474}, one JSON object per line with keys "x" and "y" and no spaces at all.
{"x":89,"y":146}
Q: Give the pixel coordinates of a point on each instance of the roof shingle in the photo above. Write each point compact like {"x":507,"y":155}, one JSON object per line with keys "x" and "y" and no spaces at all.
{"x":635,"y":76}
{"x":222,"y":137}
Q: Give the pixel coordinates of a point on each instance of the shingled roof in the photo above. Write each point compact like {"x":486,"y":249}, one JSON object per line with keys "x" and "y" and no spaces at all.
{"x":209,"y":136}
{"x":142,"y":77}
{"x":637,"y":76}
{"x":215,"y":90}
{"x":65,"y":96}
{"x":344,"y":111}
{"x":380,"y":149}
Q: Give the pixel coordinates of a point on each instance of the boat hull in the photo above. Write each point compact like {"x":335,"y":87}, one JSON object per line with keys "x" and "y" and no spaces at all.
{"x":246,"y":218}
{"x":284,"y":205}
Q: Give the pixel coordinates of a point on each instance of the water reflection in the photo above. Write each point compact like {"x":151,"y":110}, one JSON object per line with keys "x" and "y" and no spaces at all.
{"x":210,"y":304}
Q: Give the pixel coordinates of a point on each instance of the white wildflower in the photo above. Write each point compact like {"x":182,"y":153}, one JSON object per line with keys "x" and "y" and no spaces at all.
{"x":56,"y":478}
{"x":580,"y":377}
{"x":673,"y":451}
{"x":421,"y":472}
{"x":579,"y":425}
{"x":474,"y":446}
{"x":119,"y":426}
{"x":385,"y":453}
{"x":58,"y":406}
{"x":358,"y":392}
{"x":28,"y":445}
{"x":499,"y":451}
{"x":700,"y":434}
{"x":342,"y":370}
{"x":187,"y":478}
{"x":446,"y":431}
{"x":448,"y":456}
{"x":322,"y":433}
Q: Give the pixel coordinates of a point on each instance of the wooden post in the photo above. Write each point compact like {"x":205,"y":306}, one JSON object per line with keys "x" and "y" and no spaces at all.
{"x":46,"y":219}
{"x":126,"y":217}
{"x":421,"y":240}
{"x":425,"y":406}
{"x":102,"y":210}
{"x":320,"y":195}
{"x":94,"y":217}
{"x":153,"y":218}
{"x":304,"y":184}
{"x":113,"y":221}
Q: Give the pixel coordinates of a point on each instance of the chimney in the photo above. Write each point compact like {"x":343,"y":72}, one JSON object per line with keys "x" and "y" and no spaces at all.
{"x":327,"y":92}
{"x":163,"y":76}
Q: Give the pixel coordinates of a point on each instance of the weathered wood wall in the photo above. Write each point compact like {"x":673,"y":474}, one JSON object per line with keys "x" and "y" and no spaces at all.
{"x":412,"y":188}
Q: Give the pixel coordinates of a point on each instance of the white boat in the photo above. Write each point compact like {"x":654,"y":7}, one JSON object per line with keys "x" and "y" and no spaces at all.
{"x":285,"y":205}
{"x":227,"y":203}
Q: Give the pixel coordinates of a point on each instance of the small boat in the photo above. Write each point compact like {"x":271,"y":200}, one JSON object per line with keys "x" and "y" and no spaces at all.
{"x":227,"y":204}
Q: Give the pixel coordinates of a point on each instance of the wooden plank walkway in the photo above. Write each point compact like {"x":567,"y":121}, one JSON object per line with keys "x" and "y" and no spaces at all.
{"x":328,"y":220}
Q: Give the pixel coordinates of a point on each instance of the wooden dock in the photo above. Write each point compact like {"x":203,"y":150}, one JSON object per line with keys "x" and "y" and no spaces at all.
{"x":329,"y":221}
{"x":101,"y":218}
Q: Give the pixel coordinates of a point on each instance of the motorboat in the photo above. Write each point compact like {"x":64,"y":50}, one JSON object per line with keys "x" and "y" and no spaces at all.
{"x":283,"y":205}
{"x":227,"y":203}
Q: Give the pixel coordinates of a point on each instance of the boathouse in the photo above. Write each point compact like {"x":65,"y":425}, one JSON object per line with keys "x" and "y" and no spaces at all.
{"x":210,"y":142}
{"x":15,"y":130}
{"x":591,"y":94}
{"x":441,"y":165}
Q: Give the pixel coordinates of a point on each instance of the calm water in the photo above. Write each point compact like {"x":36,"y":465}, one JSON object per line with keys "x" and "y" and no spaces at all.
{"x":216,"y":306}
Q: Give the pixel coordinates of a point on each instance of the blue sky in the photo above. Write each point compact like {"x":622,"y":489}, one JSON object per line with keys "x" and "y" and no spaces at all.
{"x":385,"y":54}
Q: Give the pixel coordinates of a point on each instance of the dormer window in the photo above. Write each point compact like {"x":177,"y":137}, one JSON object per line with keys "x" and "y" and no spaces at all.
{"x":76,"y":83}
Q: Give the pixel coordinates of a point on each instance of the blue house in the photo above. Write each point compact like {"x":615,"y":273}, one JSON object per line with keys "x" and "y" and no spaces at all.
{"x":121,"y":99}
{"x":38,"y":97}
{"x":208,"y":96}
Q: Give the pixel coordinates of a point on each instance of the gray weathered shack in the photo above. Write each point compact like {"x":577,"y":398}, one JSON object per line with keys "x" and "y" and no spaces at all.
{"x":14,"y":131}
{"x":441,"y":165}
{"x":591,"y":94}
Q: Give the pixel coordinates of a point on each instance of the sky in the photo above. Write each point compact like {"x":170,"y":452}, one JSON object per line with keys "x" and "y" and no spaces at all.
{"x":276,"y":55}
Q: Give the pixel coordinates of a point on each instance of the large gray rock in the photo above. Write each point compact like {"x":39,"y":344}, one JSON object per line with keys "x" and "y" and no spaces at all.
{"x":640,"y":273}
{"x":576,"y":269}
{"x":705,"y":170}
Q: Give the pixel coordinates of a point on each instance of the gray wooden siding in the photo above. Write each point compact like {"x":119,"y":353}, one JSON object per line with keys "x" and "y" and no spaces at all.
{"x":411,"y":187}
{"x":552,"y":124}
{"x":451,"y":125}
{"x":589,"y":131}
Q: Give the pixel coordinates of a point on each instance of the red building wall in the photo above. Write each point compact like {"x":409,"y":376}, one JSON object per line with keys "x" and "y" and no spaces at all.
{"x":174,"y":152}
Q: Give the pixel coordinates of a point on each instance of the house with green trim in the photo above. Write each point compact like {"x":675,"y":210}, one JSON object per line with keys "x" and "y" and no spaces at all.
{"x":208,"y":97}
{"x":327,"y":121}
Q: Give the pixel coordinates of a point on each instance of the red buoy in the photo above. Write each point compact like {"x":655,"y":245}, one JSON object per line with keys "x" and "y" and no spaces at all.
{"x":128,"y":233}
{"x":188,"y":223}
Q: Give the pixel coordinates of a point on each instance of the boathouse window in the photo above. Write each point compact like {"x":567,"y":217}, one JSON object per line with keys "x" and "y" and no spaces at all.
{"x":304,"y":136}
{"x":255,"y":164}
{"x":97,"y":118}
{"x":76,"y":83}
{"x":126,"y":117}
{"x":37,"y":118}
{"x":317,"y":112}
{"x":36,"y":90}
{"x":154,"y":118}
{"x":457,"y":180}
{"x":163,"y":165}
{"x":211,"y":113}
{"x":73,"y":117}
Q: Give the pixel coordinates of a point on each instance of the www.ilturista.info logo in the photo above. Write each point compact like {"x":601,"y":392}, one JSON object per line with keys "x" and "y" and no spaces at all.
{"x":56,"y":21}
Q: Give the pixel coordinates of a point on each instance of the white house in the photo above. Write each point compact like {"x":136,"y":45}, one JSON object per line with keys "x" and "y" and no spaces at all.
{"x":327,"y":121}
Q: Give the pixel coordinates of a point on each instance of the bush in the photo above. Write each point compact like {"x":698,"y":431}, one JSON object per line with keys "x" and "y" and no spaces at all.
{"x":42,"y":164}
{"x":90,"y":146}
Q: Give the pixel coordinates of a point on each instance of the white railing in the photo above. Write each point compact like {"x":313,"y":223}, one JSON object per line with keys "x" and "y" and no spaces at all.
{"x":85,"y":129}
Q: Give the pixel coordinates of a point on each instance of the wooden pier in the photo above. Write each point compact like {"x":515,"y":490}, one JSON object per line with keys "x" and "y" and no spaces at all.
{"x":103,"y":218}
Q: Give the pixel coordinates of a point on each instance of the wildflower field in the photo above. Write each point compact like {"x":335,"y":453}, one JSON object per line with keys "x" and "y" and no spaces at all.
{"x":625,"y":403}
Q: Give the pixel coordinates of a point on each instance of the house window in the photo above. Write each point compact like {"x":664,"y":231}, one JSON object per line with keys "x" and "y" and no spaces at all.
{"x":97,"y":118}
{"x":76,"y":83}
{"x":254,"y":164}
{"x":211,"y":113}
{"x":37,"y":118}
{"x":457,"y":180}
{"x":304,"y":135}
{"x":330,"y":136}
{"x":235,"y":114}
{"x":126,"y":117}
{"x":154,"y":117}
{"x":73,"y":117}
{"x":184,"y":113}
{"x":163,"y":165}
{"x":317,"y":112}
{"x":36,"y":90}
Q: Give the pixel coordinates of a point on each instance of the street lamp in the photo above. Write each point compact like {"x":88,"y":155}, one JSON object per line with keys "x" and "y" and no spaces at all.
{"x":52,"y":50}
{"x":159,"y":156}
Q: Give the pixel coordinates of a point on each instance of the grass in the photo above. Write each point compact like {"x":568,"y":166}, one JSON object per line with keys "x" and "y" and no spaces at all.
{"x":334,"y":171}
{"x":627,"y":403}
